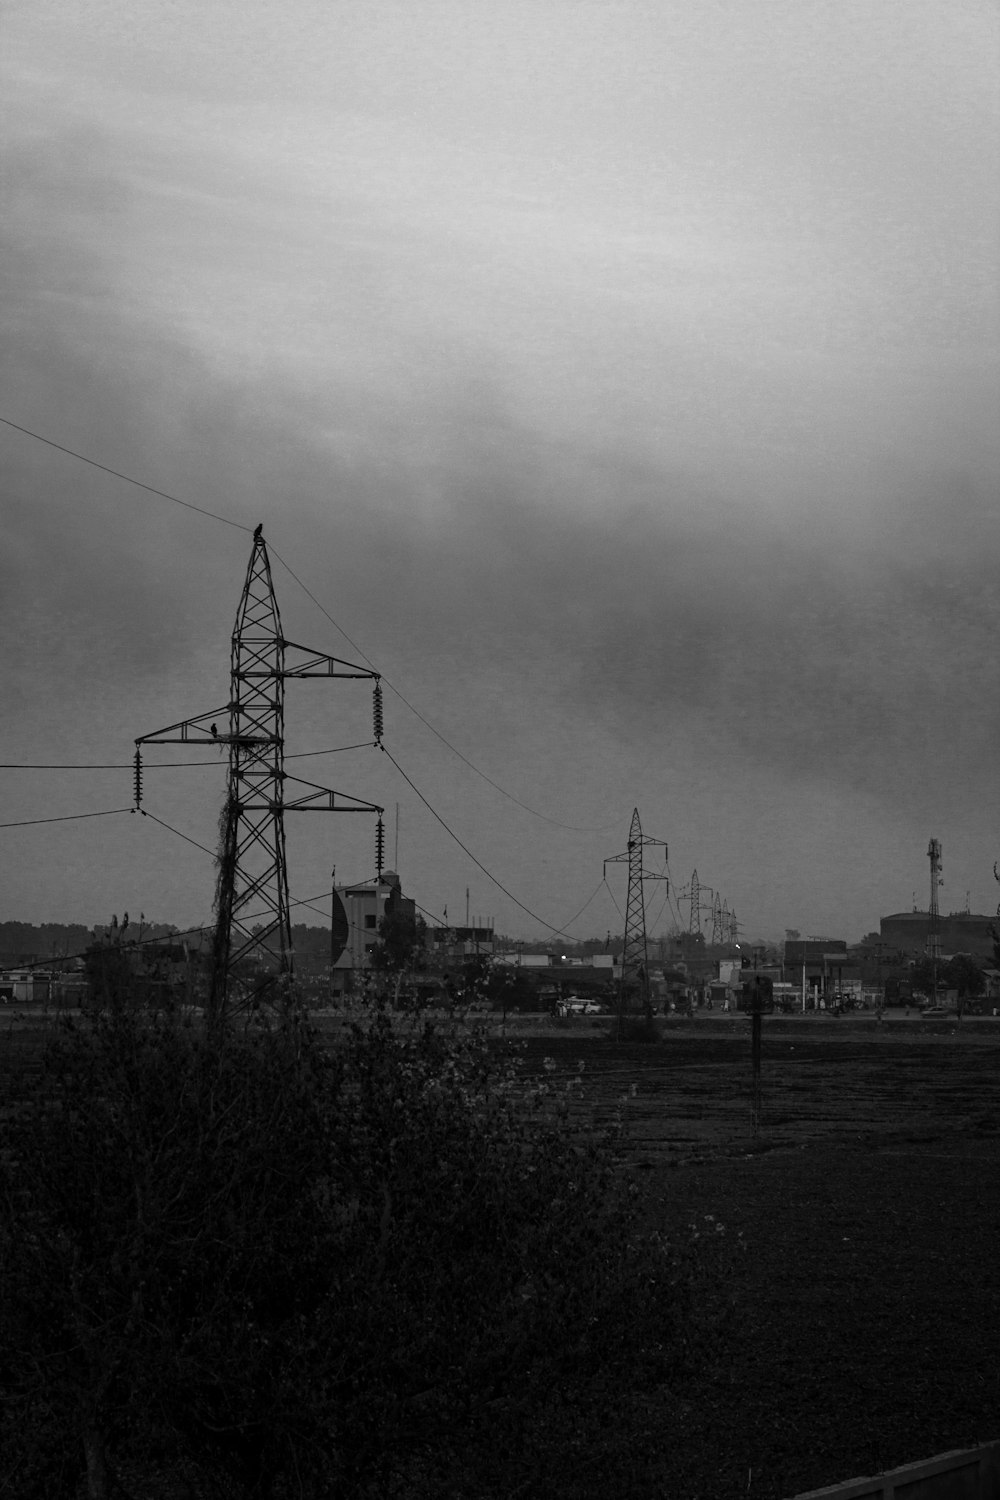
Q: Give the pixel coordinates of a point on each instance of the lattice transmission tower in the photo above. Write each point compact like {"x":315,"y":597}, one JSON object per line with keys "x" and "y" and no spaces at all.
{"x":635,"y":971}
{"x":694,"y":921}
{"x":933,"y":910}
{"x":252,"y":948}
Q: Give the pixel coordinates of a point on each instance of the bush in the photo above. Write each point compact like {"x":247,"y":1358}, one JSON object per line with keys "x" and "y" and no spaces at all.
{"x":279,"y":1269}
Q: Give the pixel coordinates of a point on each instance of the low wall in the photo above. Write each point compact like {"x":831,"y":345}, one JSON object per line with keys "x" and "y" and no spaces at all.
{"x":965,"y":1474}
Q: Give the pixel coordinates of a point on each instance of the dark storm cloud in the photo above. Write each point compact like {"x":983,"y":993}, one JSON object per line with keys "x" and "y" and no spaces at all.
{"x":651,"y":452}
{"x":862,"y":654}
{"x":623,"y":591}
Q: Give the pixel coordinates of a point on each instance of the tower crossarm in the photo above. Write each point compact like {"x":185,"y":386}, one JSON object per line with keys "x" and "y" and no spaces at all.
{"x":325,"y":799}
{"x":198,"y":731}
{"x":315,"y":664}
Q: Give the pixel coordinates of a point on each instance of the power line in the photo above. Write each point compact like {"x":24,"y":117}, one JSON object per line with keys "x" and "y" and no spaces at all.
{"x":10,"y":765}
{"x":68,"y":817}
{"x":570,"y":827}
{"x":614,"y":903}
{"x":333,"y":750}
{"x":160,"y":765}
{"x":583,"y":908}
{"x":150,"y":489}
{"x":239,"y":526}
{"x":177,"y":831}
{"x":558,"y":931}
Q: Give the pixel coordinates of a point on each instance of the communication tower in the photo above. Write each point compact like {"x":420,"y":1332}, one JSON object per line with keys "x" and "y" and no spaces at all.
{"x":635,"y":971}
{"x":252,"y":948}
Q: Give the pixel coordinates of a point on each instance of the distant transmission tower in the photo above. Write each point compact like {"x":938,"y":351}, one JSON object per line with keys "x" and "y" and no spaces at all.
{"x":933,"y":919}
{"x":717,"y":929}
{"x":635,"y":972}
{"x":694,"y":921}
{"x":934,"y":855}
{"x":252,"y":949}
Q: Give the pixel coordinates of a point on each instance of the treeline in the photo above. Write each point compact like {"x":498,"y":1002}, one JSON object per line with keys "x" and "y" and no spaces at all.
{"x":23,"y":942}
{"x":20,"y":942}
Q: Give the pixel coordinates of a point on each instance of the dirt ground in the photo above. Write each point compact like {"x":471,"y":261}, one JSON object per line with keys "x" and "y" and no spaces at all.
{"x":865,"y":1322}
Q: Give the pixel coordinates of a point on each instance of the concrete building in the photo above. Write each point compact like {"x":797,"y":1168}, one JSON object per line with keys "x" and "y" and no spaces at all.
{"x":26,"y":986}
{"x":358,"y":911}
{"x":357,"y":917}
{"x":452,"y":945}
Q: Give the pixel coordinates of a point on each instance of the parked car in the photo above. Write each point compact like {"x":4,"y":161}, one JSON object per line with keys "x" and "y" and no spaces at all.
{"x":576,"y":1005}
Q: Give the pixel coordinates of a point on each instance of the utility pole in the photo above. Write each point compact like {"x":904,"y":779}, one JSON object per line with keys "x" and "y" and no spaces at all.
{"x":635,"y":973}
{"x":252,"y":948}
{"x":756,"y":1010}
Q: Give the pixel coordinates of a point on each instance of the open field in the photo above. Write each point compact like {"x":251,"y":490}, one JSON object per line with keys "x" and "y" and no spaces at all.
{"x":865,"y":1325}
{"x":689,"y":1094}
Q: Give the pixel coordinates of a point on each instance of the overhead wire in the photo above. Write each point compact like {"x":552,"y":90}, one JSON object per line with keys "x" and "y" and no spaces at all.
{"x":569,"y":827}
{"x":674,"y":908}
{"x":67,"y":817}
{"x":614,"y":903}
{"x":186,"y":837}
{"x":583,"y":908}
{"x":161,"y":765}
{"x":305,"y":901}
{"x":212,"y":515}
{"x":150,"y":489}
{"x":558,"y":931}
{"x":240,"y":526}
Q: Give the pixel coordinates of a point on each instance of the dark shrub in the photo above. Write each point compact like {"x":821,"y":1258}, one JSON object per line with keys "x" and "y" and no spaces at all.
{"x":367,"y":1270}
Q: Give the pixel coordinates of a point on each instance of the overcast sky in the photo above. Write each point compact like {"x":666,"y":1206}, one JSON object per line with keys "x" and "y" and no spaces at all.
{"x":620,"y":377}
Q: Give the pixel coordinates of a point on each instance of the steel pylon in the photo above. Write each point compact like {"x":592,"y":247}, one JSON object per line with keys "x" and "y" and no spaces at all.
{"x":634,"y":990}
{"x":252,"y":948}
{"x":694,"y":921}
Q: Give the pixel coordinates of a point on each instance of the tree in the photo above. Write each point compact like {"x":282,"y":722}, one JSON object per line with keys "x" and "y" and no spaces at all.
{"x":401,"y":944}
{"x":965,"y":974}
{"x":157,"y":1235}
{"x":926,"y":974}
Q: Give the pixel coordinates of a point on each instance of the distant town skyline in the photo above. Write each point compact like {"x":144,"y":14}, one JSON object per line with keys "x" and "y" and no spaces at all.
{"x":619,"y":381}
